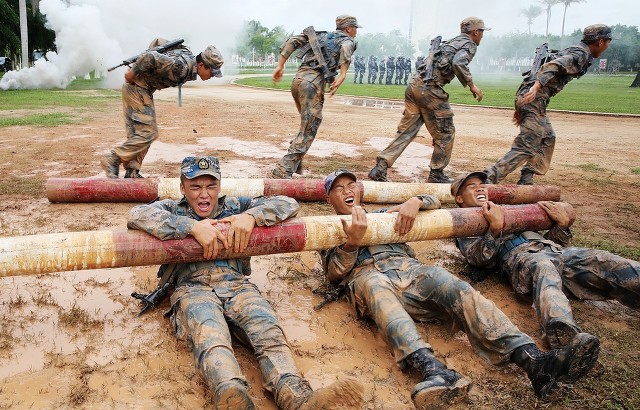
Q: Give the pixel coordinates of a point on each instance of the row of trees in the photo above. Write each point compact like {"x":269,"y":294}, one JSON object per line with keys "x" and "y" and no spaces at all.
{"x":40,"y":37}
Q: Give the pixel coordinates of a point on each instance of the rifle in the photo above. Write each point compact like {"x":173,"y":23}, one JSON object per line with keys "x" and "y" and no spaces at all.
{"x":427,"y":73}
{"x":542,"y":53}
{"x":330,"y":295}
{"x":165,"y":286}
{"x":310,"y":32}
{"x":160,"y":49}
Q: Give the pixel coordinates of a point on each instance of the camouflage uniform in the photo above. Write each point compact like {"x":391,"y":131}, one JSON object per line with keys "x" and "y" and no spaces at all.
{"x":399,"y":70}
{"x":373,"y":69}
{"x":429,"y":104}
{"x":308,"y":89}
{"x":536,"y":140}
{"x":154,"y":71}
{"x":388,"y":284}
{"x":383,"y":69}
{"x":407,"y":69}
{"x":544,"y":269}
{"x":391,"y":66}
{"x":212,"y":293}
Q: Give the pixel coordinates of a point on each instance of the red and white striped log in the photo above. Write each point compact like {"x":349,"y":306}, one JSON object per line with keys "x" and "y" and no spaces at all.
{"x":147,"y":189}
{"x":70,"y":251}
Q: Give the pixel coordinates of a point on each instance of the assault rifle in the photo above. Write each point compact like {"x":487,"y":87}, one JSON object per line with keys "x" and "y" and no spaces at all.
{"x":160,"y":49}
{"x":427,"y":73}
{"x":165,"y":286}
{"x":315,"y":46}
{"x":542,"y":53}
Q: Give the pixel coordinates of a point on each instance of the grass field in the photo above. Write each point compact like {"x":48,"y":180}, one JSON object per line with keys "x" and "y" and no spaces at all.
{"x":591,"y":93}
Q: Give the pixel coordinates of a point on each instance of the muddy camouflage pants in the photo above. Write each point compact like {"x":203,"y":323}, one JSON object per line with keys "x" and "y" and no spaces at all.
{"x":140,"y":125}
{"x":428,"y":105}
{"x":309,"y":98}
{"x":393,"y":299}
{"x":533,"y":145}
{"x":206,"y":321}
{"x":542,"y":275}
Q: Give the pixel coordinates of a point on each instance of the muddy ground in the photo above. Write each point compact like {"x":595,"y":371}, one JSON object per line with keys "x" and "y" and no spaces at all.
{"x":73,"y":340}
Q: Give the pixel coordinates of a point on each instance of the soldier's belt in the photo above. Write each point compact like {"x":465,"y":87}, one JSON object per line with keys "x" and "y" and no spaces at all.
{"x":511,"y":244}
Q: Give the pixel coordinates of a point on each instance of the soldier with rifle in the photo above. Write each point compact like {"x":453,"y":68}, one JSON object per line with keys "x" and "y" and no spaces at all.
{"x":549,"y":74}
{"x":322,"y":54}
{"x":214,"y":298}
{"x":426,"y":102}
{"x":164,"y":64}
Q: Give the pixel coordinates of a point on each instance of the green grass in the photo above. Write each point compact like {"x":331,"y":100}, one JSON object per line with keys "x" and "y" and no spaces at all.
{"x":591,"y":93}
{"x":40,"y":120}
{"x":635,"y":170}
{"x":591,"y":167}
{"x":31,"y":186}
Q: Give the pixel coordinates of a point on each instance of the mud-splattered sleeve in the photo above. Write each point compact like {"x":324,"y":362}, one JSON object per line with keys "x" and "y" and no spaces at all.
{"x":271,"y":210}
{"x":461,"y":62}
{"x":292,"y":44}
{"x":158,"y":219}
{"x":480,"y":250}
{"x":338,"y":263}
{"x":429,"y":202}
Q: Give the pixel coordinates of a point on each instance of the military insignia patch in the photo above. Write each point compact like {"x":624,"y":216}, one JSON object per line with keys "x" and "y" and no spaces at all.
{"x":203,"y":163}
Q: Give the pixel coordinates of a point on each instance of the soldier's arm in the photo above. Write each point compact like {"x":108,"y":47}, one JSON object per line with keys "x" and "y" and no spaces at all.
{"x":158,"y":219}
{"x":481,"y":250}
{"x":270,"y":210}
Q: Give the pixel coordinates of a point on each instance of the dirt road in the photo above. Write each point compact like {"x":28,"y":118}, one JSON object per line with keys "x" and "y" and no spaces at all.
{"x":73,"y":340}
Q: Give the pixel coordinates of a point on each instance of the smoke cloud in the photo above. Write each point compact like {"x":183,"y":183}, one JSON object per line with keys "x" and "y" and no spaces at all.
{"x":98,"y":34}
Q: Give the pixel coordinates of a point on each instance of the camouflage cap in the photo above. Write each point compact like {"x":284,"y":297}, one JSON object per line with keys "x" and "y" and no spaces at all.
{"x":196,"y":166}
{"x":596,"y":32}
{"x":458,"y":183}
{"x":212,"y":58}
{"x":331,"y":178}
{"x":472,"y":23}
{"x":345,"y":20}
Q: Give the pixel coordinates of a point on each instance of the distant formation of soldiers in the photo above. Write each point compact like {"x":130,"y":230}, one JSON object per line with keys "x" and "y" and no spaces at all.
{"x":389,"y":69}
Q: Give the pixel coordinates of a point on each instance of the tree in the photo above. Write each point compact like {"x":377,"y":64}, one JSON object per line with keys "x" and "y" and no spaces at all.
{"x":548,"y":4}
{"x":257,"y":41}
{"x":531,"y":13}
{"x":567,"y":3}
{"x":40,"y":37}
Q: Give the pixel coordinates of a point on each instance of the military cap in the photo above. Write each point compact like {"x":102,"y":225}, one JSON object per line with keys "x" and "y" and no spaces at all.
{"x":196,"y":166}
{"x":458,"y":183}
{"x":331,"y":178}
{"x":596,"y":32}
{"x":345,"y":20}
{"x":212,"y":58}
{"x":472,"y":23}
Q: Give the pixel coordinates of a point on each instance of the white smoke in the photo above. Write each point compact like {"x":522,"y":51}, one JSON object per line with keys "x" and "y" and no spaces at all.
{"x":98,"y":34}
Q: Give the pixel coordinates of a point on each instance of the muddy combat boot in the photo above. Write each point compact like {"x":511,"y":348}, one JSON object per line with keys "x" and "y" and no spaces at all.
{"x":232,"y":395}
{"x":111,"y":164}
{"x":295,"y":393}
{"x":559,"y":334}
{"x":438,"y":176}
{"x":441,"y":387}
{"x":569,"y":364}
{"x":132,"y":173}
{"x":526,"y":177}
{"x":379,"y":172}
{"x":276,"y":173}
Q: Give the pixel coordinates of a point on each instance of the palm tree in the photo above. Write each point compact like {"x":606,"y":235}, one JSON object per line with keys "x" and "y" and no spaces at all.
{"x":567,"y":3}
{"x":531,"y":13}
{"x":548,"y":4}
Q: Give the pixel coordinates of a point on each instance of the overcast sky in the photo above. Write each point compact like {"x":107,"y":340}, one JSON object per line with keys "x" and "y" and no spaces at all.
{"x":440,"y":16}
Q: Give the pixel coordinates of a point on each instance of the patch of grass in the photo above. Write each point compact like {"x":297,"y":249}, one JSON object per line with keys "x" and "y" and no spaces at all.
{"x":78,"y":318}
{"x":591,"y":93}
{"x":41,"y":120}
{"x":6,"y":339}
{"x":591,"y":167}
{"x":635,"y":170}
{"x":77,"y":95}
{"x":44,"y":299}
{"x":607,"y":245}
{"x":23,"y":186}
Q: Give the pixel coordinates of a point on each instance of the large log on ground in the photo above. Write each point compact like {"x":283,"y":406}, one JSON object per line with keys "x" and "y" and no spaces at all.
{"x":147,"y":189}
{"x":70,"y":251}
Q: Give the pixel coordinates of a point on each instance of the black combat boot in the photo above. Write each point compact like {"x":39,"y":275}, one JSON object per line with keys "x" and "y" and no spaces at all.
{"x":379,"y":172}
{"x":438,"y":176}
{"x":295,"y":393}
{"x":111,"y":164}
{"x":132,"y":173}
{"x":569,"y":364}
{"x":232,"y":395}
{"x":526,"y":177}
{"x":441,"y":387}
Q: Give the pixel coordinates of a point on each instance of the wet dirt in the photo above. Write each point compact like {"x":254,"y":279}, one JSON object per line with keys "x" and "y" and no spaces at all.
{"x":74,"y":340}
